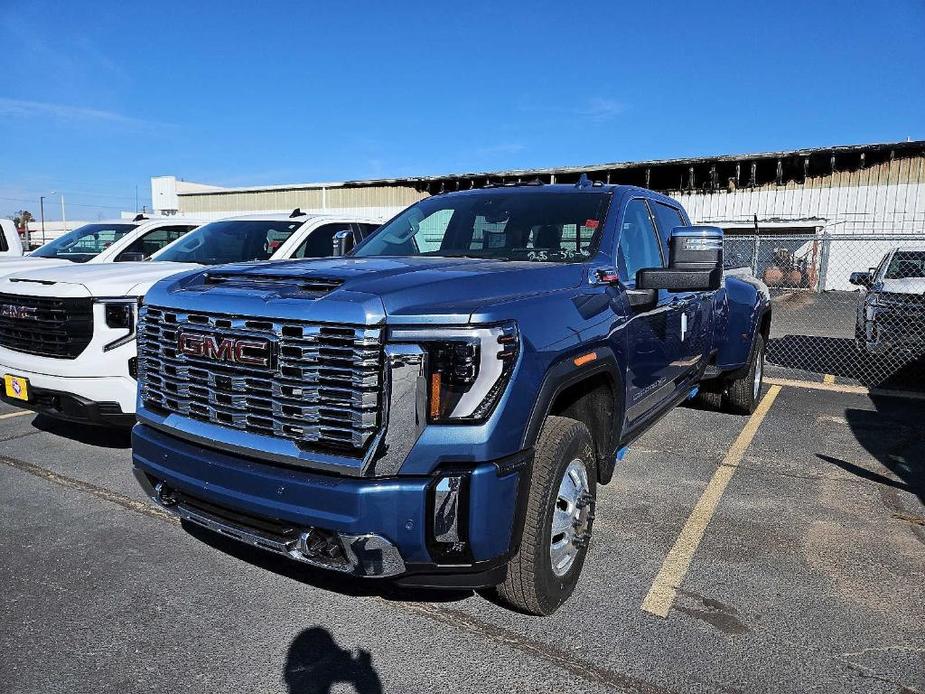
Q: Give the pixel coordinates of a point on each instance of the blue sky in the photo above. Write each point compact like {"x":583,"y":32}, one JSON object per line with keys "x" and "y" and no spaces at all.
{"x":97,"y":97}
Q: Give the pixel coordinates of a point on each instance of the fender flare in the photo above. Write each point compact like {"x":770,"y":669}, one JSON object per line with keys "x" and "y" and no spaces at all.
{"x":562,"y":374}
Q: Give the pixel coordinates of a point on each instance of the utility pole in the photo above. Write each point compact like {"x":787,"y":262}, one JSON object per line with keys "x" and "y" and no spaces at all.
{"x":63,"y":218}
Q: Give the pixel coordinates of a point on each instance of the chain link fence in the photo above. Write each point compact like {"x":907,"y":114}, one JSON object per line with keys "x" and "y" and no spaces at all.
{"x":849,"y":306}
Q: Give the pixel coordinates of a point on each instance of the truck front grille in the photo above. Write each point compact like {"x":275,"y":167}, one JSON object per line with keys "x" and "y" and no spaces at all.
{"x":46,"y":326}
{"x":320,"y":390}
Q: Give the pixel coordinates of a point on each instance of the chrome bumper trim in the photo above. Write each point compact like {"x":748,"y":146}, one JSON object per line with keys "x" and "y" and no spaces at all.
{"x":367,"y":555}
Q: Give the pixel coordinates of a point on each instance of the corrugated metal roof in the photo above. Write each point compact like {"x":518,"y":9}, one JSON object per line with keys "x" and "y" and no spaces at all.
{"x":907,"y":148}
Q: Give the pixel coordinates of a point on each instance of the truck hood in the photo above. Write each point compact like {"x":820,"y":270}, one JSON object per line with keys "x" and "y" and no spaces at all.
{"x":103,"y":280}
{"x":18,"y":263}
{"x":417,"y":288}
{"x":906,"y":285}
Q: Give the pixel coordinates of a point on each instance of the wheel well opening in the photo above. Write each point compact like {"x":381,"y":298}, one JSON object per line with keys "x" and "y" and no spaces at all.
{"x":592,"y":403}
{"x":765,"y":327}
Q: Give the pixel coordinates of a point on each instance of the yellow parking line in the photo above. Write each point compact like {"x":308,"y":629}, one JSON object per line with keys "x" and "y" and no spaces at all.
{"x":17,"y":413}
{"x":665,"y":587}
{"x":839,"y":388}
{"x":828,"y":378}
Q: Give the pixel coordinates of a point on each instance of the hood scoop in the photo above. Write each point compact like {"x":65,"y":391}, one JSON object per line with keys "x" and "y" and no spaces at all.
{"x":32,"y":281}
{"x":316,"y":286}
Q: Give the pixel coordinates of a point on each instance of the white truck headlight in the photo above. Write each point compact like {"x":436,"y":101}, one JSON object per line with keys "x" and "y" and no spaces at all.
{"x":120,"y":314}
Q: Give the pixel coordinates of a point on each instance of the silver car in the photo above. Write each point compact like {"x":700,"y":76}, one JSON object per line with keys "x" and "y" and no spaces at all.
{"x":891,"y":308}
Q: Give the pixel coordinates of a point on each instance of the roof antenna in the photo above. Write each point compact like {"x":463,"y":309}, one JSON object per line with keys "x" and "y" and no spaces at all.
{"x":139,"y":217}
{"x":583,"y":181}
{"x":297,"y":212}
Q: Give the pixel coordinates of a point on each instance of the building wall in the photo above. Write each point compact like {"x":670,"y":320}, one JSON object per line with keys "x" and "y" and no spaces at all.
{"x":375,"y":201}
{"x":885,"y":198}
{"x":865,"y":212}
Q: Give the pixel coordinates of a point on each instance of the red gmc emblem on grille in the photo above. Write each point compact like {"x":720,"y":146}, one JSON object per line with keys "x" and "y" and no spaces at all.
{"x":233,"y":350}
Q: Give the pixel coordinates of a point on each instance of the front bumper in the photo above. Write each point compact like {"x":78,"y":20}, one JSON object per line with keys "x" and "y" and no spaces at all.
{"x":72,"y":408}
{"x":360,"y":555}
{"x":892,"y":330}
{"x":105,"y":383}
{"x":381,"y":527}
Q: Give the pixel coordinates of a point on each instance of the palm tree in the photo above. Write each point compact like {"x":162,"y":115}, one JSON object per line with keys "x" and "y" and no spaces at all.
{"x":22,"y":219}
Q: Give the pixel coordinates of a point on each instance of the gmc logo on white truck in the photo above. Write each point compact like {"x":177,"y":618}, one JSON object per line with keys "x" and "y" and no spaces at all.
{"x":19,"y":312}
{"x":246,"y":351}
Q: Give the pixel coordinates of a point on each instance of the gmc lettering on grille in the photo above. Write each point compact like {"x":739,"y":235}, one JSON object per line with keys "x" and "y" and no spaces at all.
{"x":245,"y":351}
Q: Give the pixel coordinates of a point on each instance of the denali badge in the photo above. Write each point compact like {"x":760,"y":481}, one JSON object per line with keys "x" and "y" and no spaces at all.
{"x":242,"y":350}
{"x":13,"y":311}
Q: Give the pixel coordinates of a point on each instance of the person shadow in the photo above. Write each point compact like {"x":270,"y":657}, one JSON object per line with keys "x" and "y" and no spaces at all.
{"x":315,"y":663}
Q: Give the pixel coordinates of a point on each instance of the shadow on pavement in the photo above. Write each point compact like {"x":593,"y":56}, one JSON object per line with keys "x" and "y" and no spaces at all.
{"x":840,"y":357}
{"x":321,"y":578}
{"x":105,"y":437}
{"x":894,"y":434}
{"x":315,"y":663}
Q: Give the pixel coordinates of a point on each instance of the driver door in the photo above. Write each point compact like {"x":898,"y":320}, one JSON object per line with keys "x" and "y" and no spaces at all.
{"x":652,"y":332}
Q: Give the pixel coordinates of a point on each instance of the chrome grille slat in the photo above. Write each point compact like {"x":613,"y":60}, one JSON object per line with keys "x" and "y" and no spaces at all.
{"x":324,"y":391}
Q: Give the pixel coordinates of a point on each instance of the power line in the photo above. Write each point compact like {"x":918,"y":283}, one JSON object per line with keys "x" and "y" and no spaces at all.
{"x":70,"y":204}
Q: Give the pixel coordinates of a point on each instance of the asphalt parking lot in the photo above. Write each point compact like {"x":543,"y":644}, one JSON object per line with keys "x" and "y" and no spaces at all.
{"x":805,"y":572}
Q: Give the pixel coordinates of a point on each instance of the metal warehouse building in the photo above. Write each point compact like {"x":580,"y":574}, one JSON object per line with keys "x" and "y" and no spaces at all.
{"x":781,"y":210}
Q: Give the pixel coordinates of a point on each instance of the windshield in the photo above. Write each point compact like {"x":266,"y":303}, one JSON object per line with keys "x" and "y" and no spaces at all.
{"x":508,"y":225}
{"x":84,"y":242}
{"x":906,"y":264}
{"x":229,"y":241}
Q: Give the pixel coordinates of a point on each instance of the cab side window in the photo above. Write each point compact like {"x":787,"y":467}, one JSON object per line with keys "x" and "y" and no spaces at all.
{"x":639,"y":241}
{"x":152,"y":242}
{"x":320,"y":242}
{"x":667,"y":217}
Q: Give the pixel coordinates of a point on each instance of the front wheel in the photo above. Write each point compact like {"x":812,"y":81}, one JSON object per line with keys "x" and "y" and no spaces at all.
{"x":557,"y":526}
{"x":742,"y":394}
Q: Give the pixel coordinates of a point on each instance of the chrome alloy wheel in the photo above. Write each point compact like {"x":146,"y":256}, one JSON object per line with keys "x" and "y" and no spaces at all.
{"x":759,"y":374}
{"x":571,"y":518}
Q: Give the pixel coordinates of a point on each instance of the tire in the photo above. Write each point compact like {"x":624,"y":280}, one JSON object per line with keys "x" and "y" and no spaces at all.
{"x":860,"y":336}
{"x":710,"y":396}
{"x":533,"y":585}
{"x":742,"y":394}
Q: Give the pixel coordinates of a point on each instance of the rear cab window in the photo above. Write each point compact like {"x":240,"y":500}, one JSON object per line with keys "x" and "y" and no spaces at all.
{"x":150,"y":243}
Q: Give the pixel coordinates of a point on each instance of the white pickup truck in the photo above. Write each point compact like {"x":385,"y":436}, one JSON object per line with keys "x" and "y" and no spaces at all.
{"x":10,"y":243}
{"x":114,"y":241}
{"x":67,"y":334}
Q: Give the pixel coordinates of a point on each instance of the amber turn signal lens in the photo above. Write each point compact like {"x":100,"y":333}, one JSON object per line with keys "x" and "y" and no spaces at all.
{"x":435,"y":395}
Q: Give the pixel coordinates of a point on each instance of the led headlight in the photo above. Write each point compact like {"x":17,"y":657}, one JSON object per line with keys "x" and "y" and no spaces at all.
{"x":467,"y":368}
{"x":120,"y":314}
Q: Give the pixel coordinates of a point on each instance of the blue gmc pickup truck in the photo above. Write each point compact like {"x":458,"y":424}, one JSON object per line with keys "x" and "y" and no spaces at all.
{"x":438,"y":406}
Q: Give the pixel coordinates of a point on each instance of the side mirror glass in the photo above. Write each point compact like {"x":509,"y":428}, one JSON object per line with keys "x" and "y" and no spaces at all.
{"x":343,"y":242}
{"x":695,"y":262}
